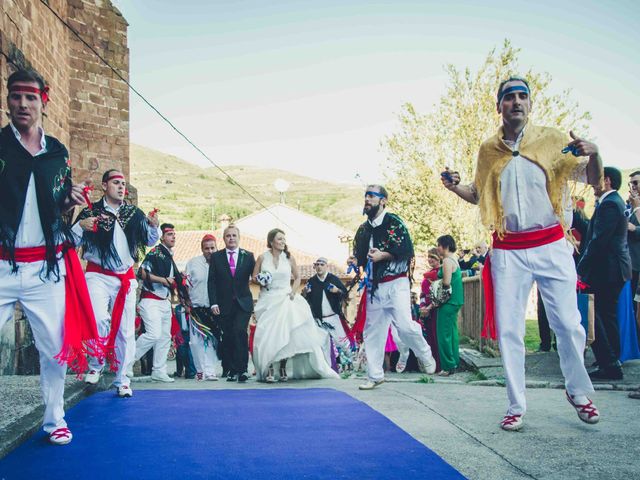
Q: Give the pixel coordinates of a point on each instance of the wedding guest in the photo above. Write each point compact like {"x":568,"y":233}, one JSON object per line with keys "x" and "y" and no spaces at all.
{"x":429,"y":315}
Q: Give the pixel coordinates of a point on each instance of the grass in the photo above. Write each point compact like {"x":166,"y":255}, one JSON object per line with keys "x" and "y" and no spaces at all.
{"x":531,"y":336}
{"x":476,"y":376}
{"x":425,"y":379}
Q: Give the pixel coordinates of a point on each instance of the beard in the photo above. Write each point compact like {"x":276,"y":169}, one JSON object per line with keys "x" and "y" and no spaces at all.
{"x":372,"y":212}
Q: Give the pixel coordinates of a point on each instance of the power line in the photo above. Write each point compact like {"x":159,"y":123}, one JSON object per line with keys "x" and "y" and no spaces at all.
{"x":150,"y":105}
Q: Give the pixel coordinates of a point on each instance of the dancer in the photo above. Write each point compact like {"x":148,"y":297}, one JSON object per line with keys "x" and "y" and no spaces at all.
{"x":285,"y":325}
{"x":114,"y":235}
{"x":521,"y":188}
{"x":324,"y":292}
{"x":38,"y":265}
{"x":205,"y":333}
{"x":383,"y":246}
{"x":230,"y":297}
{"x":160,"y":278}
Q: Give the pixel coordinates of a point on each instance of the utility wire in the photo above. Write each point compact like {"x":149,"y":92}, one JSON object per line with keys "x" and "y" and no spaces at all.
{"x":150,"y":105}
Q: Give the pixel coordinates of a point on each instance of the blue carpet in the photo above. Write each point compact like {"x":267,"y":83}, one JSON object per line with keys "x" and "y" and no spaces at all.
{"x":231,"y":434}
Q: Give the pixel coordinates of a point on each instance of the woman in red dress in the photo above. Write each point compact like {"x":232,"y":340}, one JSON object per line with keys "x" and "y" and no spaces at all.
{"x":428,"y":316}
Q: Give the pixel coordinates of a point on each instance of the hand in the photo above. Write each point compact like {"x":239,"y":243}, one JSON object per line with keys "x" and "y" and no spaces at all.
{"x":455,"y":180}
{"x":352,"y":261}
{"x":582,"y":147}
{"x":631,"y":227}
{"x":76,"y":195}
{"x":424,"y":310}
{"x":634,"y":199}
{"x":153,"y":219}
{"x":88,"y":224}
{"x":334,"y":289}
{"x":215,"y":310}
{"x":376,"y":255}
{"x":169,"y":282}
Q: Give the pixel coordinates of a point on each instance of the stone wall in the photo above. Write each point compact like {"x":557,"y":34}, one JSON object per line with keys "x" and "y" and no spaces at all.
{"x":89,"y":107}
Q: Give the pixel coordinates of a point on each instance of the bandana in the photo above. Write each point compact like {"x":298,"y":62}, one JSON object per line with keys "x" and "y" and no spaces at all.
{"x":168,"y":230}
{"x":44,"y":93}
{"x":207,"y":238}
{"x":374,"y":194}
{"x":514,"y":88}
{"x":113,"y":177}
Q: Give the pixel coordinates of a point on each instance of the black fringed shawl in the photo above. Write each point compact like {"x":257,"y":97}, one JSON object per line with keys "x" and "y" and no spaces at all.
{"x":52,"y":175}
{"x":390,"y":236}
{"x":133,"y":222}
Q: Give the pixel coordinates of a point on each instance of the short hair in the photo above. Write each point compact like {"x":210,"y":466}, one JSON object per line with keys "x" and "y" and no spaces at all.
{"x":383,"y":191}
{"x":615,"y":176}
{"x":447,"y":241}
{"x":633,"y":174}
{"x":514,"y":78}
{"x":107,"y":174}
{"x":166,"y":225}
{"x":25,"y":75}
{"x":229,"y":227}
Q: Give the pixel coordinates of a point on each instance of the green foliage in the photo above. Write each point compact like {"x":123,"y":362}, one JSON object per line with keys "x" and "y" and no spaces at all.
{"x":425,"y":379}
{"x":451,"y":135}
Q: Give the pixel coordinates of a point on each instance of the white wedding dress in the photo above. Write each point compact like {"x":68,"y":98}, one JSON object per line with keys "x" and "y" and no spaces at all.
{"x":286,"y":328}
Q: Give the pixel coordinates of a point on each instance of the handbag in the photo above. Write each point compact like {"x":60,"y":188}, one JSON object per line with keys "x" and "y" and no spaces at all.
{"x":439,"y":294}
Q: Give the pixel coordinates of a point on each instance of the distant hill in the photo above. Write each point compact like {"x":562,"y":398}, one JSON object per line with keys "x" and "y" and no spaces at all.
{"x":183,"y":192}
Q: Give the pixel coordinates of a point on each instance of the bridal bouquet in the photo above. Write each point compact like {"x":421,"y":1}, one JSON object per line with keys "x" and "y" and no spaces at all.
{"x":264,"y":279}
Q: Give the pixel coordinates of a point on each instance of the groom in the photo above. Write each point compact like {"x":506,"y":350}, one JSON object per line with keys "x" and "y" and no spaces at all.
{"x":230,"y":272}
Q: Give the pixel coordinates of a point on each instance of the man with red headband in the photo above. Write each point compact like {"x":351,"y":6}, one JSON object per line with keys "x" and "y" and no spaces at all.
{"x":205,"y":333}
{"x":114,"y":236}
{"x":521,"y":188}
{"x":161,"y":278}
{"x":38,"y":265}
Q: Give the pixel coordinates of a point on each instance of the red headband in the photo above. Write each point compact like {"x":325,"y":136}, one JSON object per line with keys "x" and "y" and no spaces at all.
{"x":113,"y":177}
{"x":207,"y":238}
{"x":168,"y":230}
{"x":44,"y":93}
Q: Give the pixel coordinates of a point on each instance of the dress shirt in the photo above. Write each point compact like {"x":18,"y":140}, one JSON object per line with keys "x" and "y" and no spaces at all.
{"x":326,"y":306}
{"x":30,"y":232}
{"x":525,"y":200}
{"x":198,"y":273}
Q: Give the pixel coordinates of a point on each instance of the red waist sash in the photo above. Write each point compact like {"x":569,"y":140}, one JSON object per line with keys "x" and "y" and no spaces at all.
{"x":80,"y":337}
{"x":118,"y":305}
{"x":511,"y":241}
{"x":150,"y":295}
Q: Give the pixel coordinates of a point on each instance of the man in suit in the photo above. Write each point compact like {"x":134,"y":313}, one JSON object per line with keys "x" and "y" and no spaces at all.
{"x":606,"y":266}
{"x":230,"y":272}
{"x":633,"y":235}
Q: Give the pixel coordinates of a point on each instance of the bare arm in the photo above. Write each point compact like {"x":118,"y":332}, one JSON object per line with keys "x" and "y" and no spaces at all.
{"x":468,"y":193}
{"x":295,"y":272}
{"x":447,"y":272}
{"x":588,"y":149}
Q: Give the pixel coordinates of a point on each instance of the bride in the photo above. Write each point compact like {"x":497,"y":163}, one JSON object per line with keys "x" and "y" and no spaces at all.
{"x":285,"y":326}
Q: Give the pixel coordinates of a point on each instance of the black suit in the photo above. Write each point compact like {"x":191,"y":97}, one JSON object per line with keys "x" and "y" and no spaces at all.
{"x":606,"y":266}
{"x":233,"y":296}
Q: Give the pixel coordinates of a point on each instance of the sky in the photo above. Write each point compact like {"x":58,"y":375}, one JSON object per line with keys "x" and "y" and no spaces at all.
{"x":314,"y":87}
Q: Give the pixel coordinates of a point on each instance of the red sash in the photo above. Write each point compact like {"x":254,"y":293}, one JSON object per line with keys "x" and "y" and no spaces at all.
{"x":511,"y":241}
{"x":118,"y":305}
{"x":361,"y":315}
{"x":80,"y":337}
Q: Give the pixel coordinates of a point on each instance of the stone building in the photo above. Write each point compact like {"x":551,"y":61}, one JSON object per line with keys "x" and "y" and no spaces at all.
{"x":89,"y":107}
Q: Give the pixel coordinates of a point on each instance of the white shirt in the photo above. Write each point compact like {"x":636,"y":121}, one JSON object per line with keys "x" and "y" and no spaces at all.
{"x":119,"y":241}
{"x":604,"y":195}
{"x":198,"y":272}
{"x":326,"y":306}
{"x":525,"y":200}
{"x":30,"y":232}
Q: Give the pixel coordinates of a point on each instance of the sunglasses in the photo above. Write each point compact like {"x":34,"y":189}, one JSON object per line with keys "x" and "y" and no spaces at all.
{"x":318,"y":263}
{"x":634,"y":182}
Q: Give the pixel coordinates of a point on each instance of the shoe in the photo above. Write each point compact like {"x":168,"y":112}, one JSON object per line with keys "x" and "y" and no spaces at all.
{"x":635,"y":395}
{"x":125,"y":391}
{"x":211,"y":377}
{"x":176,"y":375}
{"x":92,"y":378}
{"x":60,"y":436}
{"x":130,"y":374}
{"x":543,"y":349}
{"x":199,"y":377}
{"x":270,"y":376}
{"x":283,"y":375}
{"x":512,"y":423}
{"x":428,"y":367}
{"x":444,"y":373}
{"x":588,"y":413}
{"x":232,"y":377}
{"x":400,"y":366}
{"x":162,"y":377}
{"x":242,"y":378}
{"x":370,"y":385}
{"x":612,"y":373}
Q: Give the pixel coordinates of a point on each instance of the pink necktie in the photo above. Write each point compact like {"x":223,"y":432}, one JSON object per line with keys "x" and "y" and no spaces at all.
{"x":232,"y":264}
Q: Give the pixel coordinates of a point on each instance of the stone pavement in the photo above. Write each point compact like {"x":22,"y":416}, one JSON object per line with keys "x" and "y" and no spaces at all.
{"x":458,"y":417}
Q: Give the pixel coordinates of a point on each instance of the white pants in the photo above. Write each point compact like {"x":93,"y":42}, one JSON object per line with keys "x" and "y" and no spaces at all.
{"x":103,"y":290}
{"x":403,"y":350}
{"x":204,"y":356}
{"x":44,"y":304}
{"x":338,"y":335}
{"x":156,"y":315}
{"x":391,"y":306}
{"x":552,"y":268}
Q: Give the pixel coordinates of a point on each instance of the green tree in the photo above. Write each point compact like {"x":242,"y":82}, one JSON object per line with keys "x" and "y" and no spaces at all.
{"x":451,"y":135}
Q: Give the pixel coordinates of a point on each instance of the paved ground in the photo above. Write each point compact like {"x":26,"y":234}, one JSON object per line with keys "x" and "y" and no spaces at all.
{"x":458,"y":420}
